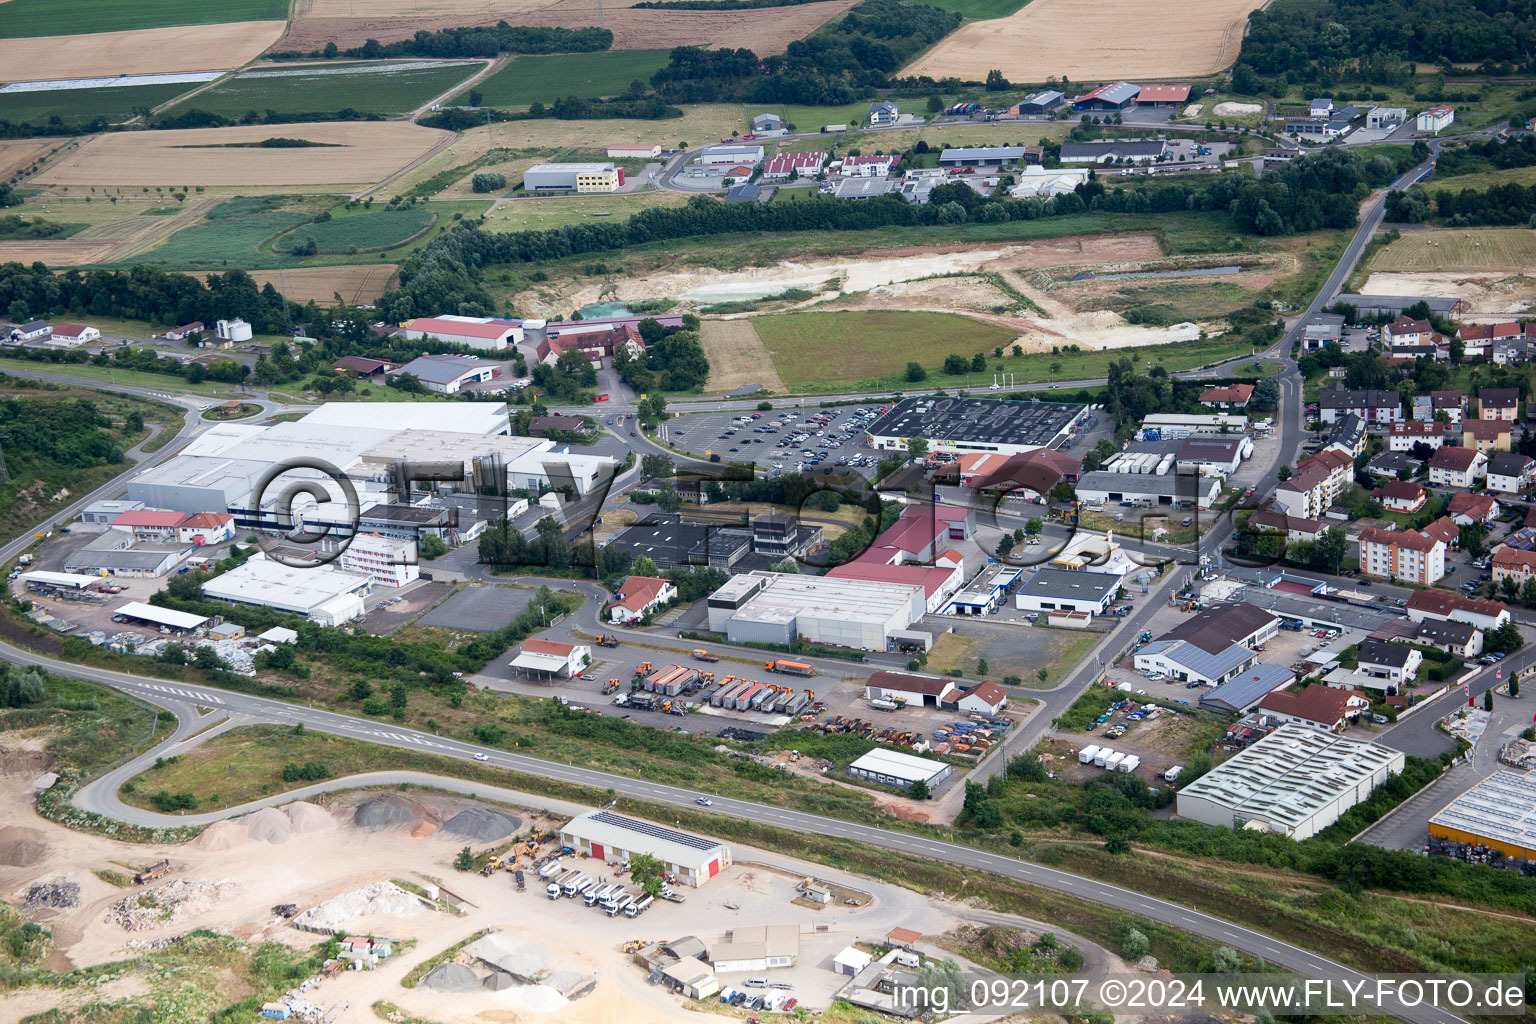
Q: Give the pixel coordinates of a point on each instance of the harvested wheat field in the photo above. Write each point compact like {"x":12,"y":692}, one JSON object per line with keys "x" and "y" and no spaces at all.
{"x":351,"y":153}
{"x":19,"y":154}
{"x":737,"y":356}
{"x":145,"y":51}
{"x":357,"y":285}
{"x":350,"y":23}
{"x":66,"y":253}
{"x":1094,"y":42}
{"x":1495,"y":249}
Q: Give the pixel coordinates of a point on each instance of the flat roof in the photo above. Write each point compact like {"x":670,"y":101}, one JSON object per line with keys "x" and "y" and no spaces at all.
{"x":263,"y":581}
{"x":1502,"y":807}
{"x":594,"y":167}
{"x":75,"y":580}
{"x":163,"y":616}
{"x":1289,"y":775}
{"x":463,"y":417}
{"x":1071,"y":584}
{"x":635,"y":836}
{"x":884,"y":761}
{"x":1175,"y":485}
{"x":123,"y":558}
{"x":978,"y":420}
{"x":783,"y":598}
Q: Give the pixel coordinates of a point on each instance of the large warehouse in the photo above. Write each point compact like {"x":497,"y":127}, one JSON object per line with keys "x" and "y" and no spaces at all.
{"x":480,"y":332}
{"x":978,"y":424}
{"x":1072,"y":590}
{"x":1499,"y":812}
{"x":1152,"y":489}
{"x":326,"y":596}
{"x":573,"y":177}
{"x":893,"y":768}
{"x":613,"y":839}
{"x":1294,"y":782}
{"x":776,"y":608}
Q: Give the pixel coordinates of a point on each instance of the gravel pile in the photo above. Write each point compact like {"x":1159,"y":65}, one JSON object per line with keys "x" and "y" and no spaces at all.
{"x":174,"y":901}
{"x":451,"y":978}
{"x":221,"y":836}
{"x":375,"y":898}
{"x":384,"y":812}
{"x":307,"y":817}
{"x":21,"y":847}
{"x":269,"y":825}
{"x":52,"y":894}
{"x":481,"y":824}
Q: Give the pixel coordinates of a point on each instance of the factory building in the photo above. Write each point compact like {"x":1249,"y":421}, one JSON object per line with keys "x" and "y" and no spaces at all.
{"x":1150,"y":489}
{"x":470,"y":331}
{"x":1294,"y":782}
{"x":893,"y":768}
{"x":979,"y":424}
{"x":325,"y":596}
{"x":573,"y":177}
{"x":775,"y":608}
{"x":1072,"y":590}
{"x":613,"y":839}
{"x":389,"y":561}
{"x":1499,"y":812}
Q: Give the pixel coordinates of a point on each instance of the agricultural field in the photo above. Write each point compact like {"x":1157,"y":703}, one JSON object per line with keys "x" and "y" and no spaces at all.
{"x":149,"y":51}
{"x":18,"y":155}
{"x":1512,"y":250}
{"x":350,"y":23}
{"x":737,"y":357}
{"x":1482,"y":181}
{"x":226,"y":243}
{"x":555,"y":211}
{"x":979,"y":10}
{"x":356,"y":284}
{"x":31,"y":18}
{"x":371,"y":231}
{"x":370,"y":87}
{"x":346,"y":153}
{"x":868,"y":344}
{"x":1100,"y":42}
{"x":544,"y":79}
{"x":80,"y":106}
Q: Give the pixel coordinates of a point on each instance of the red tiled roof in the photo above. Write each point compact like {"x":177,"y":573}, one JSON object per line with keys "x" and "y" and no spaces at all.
{"x":989,"y":692}
{"x":640,"y":591}
{"x":206,"y":520}
{"x":1163,"y":94}
{"x":926,"y":685}
{"x":1236,"y":394}
{"x":1399,"y":490}
{"x":1513,"y":558}
{"x":1485,"y":430}
{"x":69,"y":330}
{"x":149,"y":517}
{"x":1440,"y":602}
{"x":1316,"y":703}
{"x":1478,"y":506}
{"x":534,"y":645}
{"x":1413,"y":540}
{"x":1416,"y":428}
{"x":1443,"y":529}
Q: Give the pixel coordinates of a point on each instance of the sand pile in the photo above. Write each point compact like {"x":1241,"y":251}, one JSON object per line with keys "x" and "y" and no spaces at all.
{"x":221,"y":835}
{"x":481,"y":824}
{"x":451,"y":978}
{"x":374,"y":898}
{"x":21,"y":847}
{"x":304,"y":816}
{"x":269,"y":825}
{"x":384,"y":812}
{"x":1237,"y":109}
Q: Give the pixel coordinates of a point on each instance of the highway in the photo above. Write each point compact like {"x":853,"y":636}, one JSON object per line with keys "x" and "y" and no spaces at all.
{"x":101,"y":796}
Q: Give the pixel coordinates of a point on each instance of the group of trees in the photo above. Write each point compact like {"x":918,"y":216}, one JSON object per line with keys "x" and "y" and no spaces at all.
{"x":1501,"y":205}
{"x":673,"y":358}
{"x":475,"y":41}
{"x":841,"y":62}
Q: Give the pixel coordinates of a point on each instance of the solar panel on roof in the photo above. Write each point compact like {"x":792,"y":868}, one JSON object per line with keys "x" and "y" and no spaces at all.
{"x":654,"y":831}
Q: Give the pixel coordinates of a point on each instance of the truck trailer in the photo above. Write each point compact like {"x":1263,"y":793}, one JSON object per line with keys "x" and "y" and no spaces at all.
{"x":791,"y":668}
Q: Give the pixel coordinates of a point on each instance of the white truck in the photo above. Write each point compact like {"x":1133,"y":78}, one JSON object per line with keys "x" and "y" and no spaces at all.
{"x":1113,"y":761}
{"x":617,"y":907}
{"x":599,"y":894}
{"x":638,"y":907}
{"x":1130,"y":764}
{"x":550,"y":869}
{"x":1087,"y":754}
{"x":576,"y":886}
{"x":1104,"y":754}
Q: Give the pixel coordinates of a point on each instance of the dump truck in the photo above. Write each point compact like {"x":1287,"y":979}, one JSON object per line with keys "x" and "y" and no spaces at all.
{"x":702,"y":655}
{"x":598,"y":894}
{"x":791,"y":668}
{"x":550,"y":869}
{"x":577,"y":886}
{"x":604,"y":640}
{"x":154,"y":871}
{"x":638,"y":907}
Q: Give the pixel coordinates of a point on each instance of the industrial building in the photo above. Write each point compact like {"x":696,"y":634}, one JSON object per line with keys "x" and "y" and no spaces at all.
{"x":1038,"y":103}
{"x":893,"y":768}
{"x":1247,"y":689}
{"x":978,"y":424}
{"x":1150,"y":489}
{"x":1181,"y":424}
{"x":1499,"y":812}
{"x":1114,"y":96}
{"x":447,"y":375}
{"x":548,"y":659}
{"x":757,"y":948}
{"x":469,"y":331}
{"x":115,"y":553}
{"x":1294,"y":782}
{"x":1125,"y":151}
{"x":987,"y":156}
{"x":909,"y":689}
{"x":573,"y":177}
{"x":1073,"y":590}
{"x":727,"y":155}
{"x":389,"y":561}
{"x":775,"y":608}
{"x":613,"y":839}
{"x":325,"y":596}
{"x":105,"y":511}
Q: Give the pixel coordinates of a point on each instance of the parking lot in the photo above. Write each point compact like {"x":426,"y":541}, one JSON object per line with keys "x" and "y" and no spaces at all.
{"x":784,"y":441}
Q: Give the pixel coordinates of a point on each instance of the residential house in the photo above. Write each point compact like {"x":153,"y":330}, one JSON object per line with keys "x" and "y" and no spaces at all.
{"x":31,"y":331}
{"x":1452,"y":403}
{"x":883,"y":113}
{"x":1393,"y":662}
{"x":1378,"y":408}
{"x":1392,"y":465}
{"x":1442,"y":605}
{"x":1512,"y":563}
{"x":206,"y":528}
{"x":1486,"y":435}
{"x":1511,"y":350}
{"x":1408,"y":332}
{"x":1510,"y":472}
{"x":150,"y":524}
{"x":1401,"y":437}
{"x":1316,"y":707}
{"x":638,"y":595}
{"x":1315,"y":484}
{"x":1467,"y":508}
{"x":1347,"y":436}
{"x":1481,"y":339}
{"x":872,"y":165}
{"x":1234,"y":396}
{"x":1454,"y":466}
{"x":1445,"y":531}
{"x":1498,"y":403}
{"x":1410,"y":555}
{"x":1268,"y":518}
{"x":985,"y":698}
{"x":1459,"y":639}
{"x":1400,"y":496}
{"x":1321,"y":106}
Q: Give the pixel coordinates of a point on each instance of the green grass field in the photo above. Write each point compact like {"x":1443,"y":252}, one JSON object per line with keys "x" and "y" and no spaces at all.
{"x":544,"y":79}
{"x":811,"y":349}
{"x":388,"y":88}
{"x":1482,"y":181}
{"x":87,"y":374}
{"x":228,"y":243}
{"x":980,"y":10}
{"x":79,"y":106}
{"x":1460,"y":249}
{"x":27,"y":18}
{"x":362,"y":232}
{"x":554,"y":211}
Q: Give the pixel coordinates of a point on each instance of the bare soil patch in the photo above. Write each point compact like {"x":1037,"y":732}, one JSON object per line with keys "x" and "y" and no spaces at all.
{"x":737,"y":356}
{"x":1094,"y":42}
{"x":348,"y":23}
{"x":1490,"y":293}
{"x":140,"y":52}
{"x":357,"y":285}
{"x":355,"y":152}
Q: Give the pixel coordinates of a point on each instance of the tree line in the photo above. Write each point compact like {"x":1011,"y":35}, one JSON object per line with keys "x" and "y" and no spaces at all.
{"x":1509,"y":204}
{"x":473,"y":41}
{"x":571,"y":108}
